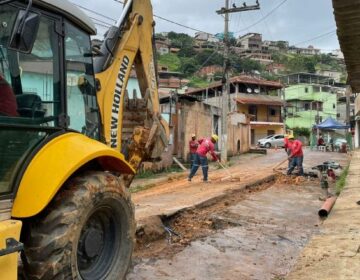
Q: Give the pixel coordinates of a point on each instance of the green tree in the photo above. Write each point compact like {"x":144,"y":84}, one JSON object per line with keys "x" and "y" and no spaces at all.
{"x":180,"y":40}
{"x":189,"y":66}
{"x":210,"y":57}
{"x":310,"y":63}
{"x":244,"y":65}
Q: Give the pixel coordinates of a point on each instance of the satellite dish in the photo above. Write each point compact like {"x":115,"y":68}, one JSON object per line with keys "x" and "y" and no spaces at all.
{"x":257,"y":90}
{"x":249,"y":90}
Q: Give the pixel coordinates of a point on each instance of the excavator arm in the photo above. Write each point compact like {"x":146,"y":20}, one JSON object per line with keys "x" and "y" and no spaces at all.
{"x":128,"y":46}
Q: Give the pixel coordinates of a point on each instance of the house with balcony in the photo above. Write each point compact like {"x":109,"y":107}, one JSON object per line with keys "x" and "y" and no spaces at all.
{"x":251,"y":98}
{"x":252,"y":47}
{"x":310,"y":50}
{"x":311,"y":98}
{"x":309,"y":104}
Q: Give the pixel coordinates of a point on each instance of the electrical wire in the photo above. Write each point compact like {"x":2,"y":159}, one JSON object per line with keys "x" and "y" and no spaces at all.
{"x":174,"y":22}
{"x":100,"y":21}
{"x":94,"y":12}
{"x":333,"y":32}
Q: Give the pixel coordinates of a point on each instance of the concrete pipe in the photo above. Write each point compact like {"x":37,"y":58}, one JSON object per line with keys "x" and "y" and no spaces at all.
{"x":326,"y":208}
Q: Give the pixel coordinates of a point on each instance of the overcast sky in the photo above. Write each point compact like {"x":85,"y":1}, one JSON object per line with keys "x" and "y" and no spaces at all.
{"x":296,"y":21}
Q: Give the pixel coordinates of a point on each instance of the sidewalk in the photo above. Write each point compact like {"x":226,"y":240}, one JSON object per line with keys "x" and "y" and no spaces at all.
{"x":169,"y":197}
{"x":334,"y":254}
{"x":163,"y":178}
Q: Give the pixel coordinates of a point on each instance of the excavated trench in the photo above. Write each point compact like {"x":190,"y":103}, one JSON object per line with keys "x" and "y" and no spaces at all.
{"x":255,"y":233}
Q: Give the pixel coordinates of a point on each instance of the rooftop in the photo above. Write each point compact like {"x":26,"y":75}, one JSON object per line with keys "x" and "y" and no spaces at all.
{"x":348,"y":31}
{"x":242,"y":79}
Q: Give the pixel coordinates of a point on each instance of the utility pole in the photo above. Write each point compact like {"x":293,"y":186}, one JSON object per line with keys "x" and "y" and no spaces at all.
{"x":226,"y":81}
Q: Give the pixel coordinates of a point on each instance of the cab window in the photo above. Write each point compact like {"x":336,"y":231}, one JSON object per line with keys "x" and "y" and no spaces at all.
{"x":30,"y":83}
{"x":82,"y":106}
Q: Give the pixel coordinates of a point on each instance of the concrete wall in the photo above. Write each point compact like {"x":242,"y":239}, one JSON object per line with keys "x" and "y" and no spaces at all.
{"x":198,"y":118}
{"x":205,"y":120}
{"x":238,"y":134}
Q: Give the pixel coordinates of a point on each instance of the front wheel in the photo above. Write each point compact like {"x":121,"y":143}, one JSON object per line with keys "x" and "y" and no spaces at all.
{"x":267,"y":145}
{"x":87,"y":232}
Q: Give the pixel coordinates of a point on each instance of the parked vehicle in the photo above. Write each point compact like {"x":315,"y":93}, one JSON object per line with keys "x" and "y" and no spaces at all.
{"x":339,"y":142}
{"x":276,"y":140}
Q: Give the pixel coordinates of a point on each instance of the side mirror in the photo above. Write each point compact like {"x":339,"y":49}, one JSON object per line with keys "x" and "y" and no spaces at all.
{"x":24,"y":32}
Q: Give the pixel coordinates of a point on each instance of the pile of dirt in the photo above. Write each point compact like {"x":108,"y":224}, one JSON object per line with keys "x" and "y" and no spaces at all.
{"x":292,"y":179}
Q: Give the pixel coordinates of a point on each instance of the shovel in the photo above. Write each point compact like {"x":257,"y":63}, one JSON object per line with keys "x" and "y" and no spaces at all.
{"x":229,"y":174}
{"x":278,"y":164}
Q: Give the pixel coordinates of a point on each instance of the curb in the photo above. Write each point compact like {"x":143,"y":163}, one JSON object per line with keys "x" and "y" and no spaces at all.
{"x":140,"y":224}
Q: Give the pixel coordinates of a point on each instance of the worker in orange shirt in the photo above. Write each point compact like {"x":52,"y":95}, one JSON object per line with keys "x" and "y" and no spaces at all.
{"x":296,"y":156}
{"x":287,"y":147}
{"x":206,"y":146}
{"x":193,"y":145}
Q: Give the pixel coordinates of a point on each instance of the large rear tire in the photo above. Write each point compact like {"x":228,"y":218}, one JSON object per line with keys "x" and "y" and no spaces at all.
{"x":87,"y":232}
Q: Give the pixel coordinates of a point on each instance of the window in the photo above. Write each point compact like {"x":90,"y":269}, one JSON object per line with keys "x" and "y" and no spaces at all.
{"x":29,"y":95}
{"x":270,"y":132}
{"x":253,"y":111}
{"x":316,"y":88}
{"x":306,"y":106}
{"x":82,"y":106}
{"x":334,"y":106}
{"x":306,"y":90}
{"x":32,"y":80}
{"x":272,"y":112}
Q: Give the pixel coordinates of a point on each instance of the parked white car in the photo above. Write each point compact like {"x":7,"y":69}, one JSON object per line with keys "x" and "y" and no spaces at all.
{"x":276,"y":140}
{"x":339,"y":142}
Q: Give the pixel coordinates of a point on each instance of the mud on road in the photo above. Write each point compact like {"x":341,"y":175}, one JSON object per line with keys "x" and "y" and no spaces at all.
{"x":256,"y":233}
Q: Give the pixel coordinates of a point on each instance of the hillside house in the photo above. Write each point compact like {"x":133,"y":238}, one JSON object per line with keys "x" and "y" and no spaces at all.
{"x":309,"y":104}
{"x":255,"y":99}
{"x":252,"y":47}
{"x":310,"y":50}
{"x":203,"y":36}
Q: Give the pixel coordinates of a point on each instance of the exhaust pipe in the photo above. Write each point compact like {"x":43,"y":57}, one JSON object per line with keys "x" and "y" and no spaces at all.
{"x":326,"y":208}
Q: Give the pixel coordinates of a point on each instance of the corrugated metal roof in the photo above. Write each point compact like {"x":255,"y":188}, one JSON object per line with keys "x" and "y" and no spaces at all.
{"x":347,"y":16}
{"x":258,"y":99}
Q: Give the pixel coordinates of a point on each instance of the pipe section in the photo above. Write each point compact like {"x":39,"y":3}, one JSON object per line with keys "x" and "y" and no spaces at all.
{"x":326,"y":208}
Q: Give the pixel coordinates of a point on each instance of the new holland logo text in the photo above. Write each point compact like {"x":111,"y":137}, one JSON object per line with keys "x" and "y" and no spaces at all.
{"x":116,"y":102}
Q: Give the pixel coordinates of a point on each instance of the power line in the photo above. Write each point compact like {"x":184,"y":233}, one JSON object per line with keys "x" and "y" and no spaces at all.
{"x":106,"y":24}
{"x":182,"y":25}
{"x":317,"y":37}
{"x":94,"y":12}
{"x":263,"y":18}
{"x":173,"y":22}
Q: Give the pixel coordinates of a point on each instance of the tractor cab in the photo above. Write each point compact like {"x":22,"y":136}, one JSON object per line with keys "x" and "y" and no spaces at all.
{"x":47,"y":84}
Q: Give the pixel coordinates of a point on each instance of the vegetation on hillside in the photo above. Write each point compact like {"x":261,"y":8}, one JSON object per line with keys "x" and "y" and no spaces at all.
{"x":188,"y":61}
{"x":302,"y":63}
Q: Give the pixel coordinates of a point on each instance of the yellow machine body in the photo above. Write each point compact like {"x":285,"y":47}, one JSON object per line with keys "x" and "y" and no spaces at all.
{"x":9,"y":263}
{"x":64,"y":155}
{"x":55,"y":163}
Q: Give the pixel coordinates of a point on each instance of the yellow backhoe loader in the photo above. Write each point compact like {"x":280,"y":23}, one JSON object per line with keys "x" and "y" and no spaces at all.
{"x":72,"y":138}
